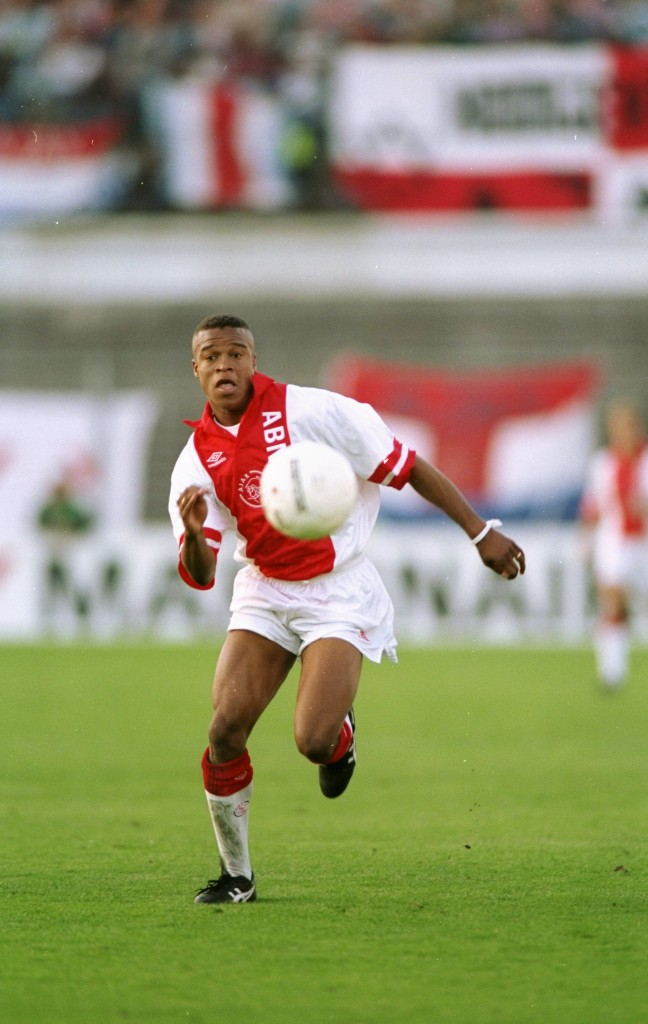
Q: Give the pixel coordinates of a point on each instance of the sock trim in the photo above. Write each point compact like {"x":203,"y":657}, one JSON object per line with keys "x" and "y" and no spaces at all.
{"x":229,"y":777}
{"x":344,"y":742}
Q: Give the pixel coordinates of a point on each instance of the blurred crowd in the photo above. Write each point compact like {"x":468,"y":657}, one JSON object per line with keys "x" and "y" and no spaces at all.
{"x":58,"y":55}
{"x":67,"y":60}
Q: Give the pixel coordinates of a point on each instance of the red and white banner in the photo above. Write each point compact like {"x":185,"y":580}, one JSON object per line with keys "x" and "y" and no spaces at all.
{"x":46,"y":168}
{"x":220,"y":146}
{"x":524,"y":127}
{"x":516,"y":442}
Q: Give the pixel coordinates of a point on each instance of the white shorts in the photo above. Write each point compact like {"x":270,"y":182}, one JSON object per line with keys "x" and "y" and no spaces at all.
{"x":620,"y":561}
{"x":351,"y":604}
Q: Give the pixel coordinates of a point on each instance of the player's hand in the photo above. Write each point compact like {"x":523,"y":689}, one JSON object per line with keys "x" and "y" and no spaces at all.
{"x":501,"y":554}
{"x":193,"y":509}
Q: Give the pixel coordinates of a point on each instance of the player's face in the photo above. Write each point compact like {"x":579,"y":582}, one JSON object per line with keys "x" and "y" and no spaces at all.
{"x":624,"y":428}
{"x":224,"y":362}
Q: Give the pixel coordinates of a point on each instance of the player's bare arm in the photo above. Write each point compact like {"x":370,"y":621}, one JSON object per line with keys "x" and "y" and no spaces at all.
{"x":501,"y":554}
{"x":196,"y":555}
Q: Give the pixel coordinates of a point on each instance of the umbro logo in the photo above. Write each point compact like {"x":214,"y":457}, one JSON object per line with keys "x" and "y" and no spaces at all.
{"x":216,"y":458}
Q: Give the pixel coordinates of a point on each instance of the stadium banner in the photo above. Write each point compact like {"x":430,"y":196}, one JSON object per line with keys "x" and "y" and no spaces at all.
{"x":220,"y":145}
{"x":124,"y":583}
{"x":81,"y":455}
{"x":515,"y":441}
{"x":622,"y":182}
{"x":528,"y":127}
{"x":61,"y":168}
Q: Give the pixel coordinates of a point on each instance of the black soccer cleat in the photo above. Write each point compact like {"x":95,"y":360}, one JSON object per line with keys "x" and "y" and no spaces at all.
{"x":334,"y":778}
{"x":227,"y":889}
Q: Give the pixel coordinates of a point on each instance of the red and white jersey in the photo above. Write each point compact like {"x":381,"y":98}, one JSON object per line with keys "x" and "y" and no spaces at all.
{"x":229,"y":466}
{"x":615,"y":497}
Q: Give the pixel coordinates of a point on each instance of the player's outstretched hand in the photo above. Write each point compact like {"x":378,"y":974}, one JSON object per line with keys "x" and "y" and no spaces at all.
{"x":193,"y":509}
{"x":501,"y":554}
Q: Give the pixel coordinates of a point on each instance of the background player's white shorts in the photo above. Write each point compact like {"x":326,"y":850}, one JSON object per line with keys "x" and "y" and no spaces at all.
{"x":350,"y":603}
{"x":620,"y":561}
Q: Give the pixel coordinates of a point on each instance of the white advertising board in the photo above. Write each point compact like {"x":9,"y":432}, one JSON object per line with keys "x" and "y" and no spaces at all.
{"x":484,"y":108}
{"x":125,"y":584}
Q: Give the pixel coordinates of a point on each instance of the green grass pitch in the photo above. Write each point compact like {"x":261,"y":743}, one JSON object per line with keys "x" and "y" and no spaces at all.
{"x":489,"y":863}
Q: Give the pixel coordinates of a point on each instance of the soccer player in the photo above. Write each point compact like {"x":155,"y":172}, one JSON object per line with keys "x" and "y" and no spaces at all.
{"x":319,"y":601}
{"x":614,"y":508}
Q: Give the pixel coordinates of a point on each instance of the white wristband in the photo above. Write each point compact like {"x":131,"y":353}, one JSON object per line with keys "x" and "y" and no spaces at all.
{"x":489,"y":526}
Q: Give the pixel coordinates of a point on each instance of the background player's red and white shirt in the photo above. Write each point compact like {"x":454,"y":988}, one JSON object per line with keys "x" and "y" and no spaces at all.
{"x":615,"y":497}
{"x":229,"y":465}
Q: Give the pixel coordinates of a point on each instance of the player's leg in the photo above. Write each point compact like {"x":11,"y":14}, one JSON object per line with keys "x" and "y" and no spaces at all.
{"x":612,"y":635}
{"x":614,"y":567}
{"x":249,"y":673}
{"x":324,"y":722}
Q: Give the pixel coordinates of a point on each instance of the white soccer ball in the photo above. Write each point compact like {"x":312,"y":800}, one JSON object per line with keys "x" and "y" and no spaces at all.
{"x":308,"y":490}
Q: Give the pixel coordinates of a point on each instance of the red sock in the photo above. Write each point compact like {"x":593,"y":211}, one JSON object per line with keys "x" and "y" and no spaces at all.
{"x":225,"y":779}
{"x":344,"y":742}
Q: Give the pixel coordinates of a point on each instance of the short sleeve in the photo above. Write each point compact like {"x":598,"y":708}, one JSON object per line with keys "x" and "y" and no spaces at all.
{"x":354,"y":428}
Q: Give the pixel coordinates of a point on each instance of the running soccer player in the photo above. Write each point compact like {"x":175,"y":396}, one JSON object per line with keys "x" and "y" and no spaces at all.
{"x":615,"y":509}
{"x":321,"y":601}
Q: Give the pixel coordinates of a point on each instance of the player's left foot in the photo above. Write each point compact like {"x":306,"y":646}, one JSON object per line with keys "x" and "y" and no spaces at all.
{"x":228,"y":889}
{"x":334,"y":778}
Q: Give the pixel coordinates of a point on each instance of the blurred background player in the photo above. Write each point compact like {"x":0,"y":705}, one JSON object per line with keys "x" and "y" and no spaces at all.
{"x":64,"y":519}
{"x":615,"y":509}
{"x":321,"y":601}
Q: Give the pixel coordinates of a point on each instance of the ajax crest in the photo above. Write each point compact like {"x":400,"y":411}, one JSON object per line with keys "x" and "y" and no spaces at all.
{"x":249,"y":488}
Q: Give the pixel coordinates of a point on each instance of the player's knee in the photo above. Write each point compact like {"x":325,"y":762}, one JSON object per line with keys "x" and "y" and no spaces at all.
{"x":314,"y":745}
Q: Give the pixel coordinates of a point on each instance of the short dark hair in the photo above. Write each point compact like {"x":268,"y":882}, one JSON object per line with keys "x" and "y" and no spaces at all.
{"x":217,"y":320}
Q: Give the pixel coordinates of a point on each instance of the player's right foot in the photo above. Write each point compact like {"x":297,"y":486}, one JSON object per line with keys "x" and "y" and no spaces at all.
{"x":334,"y":778}
{"x":227,"y":889}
